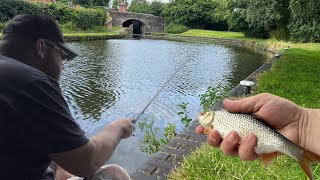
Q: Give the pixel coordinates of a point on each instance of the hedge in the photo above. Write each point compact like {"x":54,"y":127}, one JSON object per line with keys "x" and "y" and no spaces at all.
{"x":82,"y":18}
{"x":176,"y":28}
{"x":11,"y":8}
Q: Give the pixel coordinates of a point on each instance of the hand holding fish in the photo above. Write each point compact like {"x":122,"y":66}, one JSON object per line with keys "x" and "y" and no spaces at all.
{"x":239,"y":134}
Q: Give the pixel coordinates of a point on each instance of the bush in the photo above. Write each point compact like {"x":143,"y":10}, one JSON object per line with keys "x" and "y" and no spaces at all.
{"x":256,"y":33}
{"x":176,"y":28}
{"x":307,"y":33}
{"x":82,"y":18}
{"x":280,"y":34}
{"x":66,"y":16}
{"x":89,"y":18}
{"x":69,"y":27}
{"x":11,"y":8}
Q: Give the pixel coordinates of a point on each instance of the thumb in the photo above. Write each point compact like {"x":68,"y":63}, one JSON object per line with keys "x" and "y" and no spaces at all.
{"x":246,"y":105}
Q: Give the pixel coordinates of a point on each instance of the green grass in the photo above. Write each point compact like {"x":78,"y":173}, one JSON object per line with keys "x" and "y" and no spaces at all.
{"x":296,"y":76}
{"x":209,"y":163}
{"x":94,"y":32}
{"x":90,"y":34}
{"x":216,"y":34}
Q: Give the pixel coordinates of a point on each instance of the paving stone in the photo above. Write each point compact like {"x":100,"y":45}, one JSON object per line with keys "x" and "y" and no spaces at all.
{"x":173,"y":144}
{"x":199,"y":137}
{"x":186,"y":142}
{"x":147,"y":169}
{"x":183,"y":135}
{"x":160,"y":163}
{"x":161,"y":172}
{"x":172,"y":159}
{"x":171,"y":150}
{"x":141,"y":176}
{"x":161,"y":155}
{"x":176,"y":158}
{"x":189,"y":131}
{"x":188,"y":149}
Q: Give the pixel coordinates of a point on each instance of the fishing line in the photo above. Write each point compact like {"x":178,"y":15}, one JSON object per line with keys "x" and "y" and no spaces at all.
{"x":159,"y":91}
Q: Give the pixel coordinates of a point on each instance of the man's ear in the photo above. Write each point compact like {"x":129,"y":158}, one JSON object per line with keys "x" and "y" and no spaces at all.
{"x":41,"y":48}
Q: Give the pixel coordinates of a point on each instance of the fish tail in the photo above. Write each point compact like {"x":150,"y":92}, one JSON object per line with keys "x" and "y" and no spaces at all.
{"x":307,"y":158}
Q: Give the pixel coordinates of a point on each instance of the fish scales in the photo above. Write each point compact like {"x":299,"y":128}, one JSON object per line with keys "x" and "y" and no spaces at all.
{"x":268,"y":139}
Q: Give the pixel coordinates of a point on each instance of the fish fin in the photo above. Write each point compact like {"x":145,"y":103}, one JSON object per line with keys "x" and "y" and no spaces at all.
{"x":268,"y":157}
{"x":208,"y":129}
{"x":307,"y":158}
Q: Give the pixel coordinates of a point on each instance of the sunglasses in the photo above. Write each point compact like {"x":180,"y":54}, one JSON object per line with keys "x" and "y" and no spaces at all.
{"x":64,"y":55}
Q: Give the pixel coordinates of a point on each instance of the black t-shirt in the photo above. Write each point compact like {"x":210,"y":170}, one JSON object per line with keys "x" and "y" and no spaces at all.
{"x":35,"y":121}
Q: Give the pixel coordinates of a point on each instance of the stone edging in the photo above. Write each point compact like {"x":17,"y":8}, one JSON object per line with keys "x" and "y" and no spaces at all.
{"x":159,"y":165}
{"x":93,"y":37}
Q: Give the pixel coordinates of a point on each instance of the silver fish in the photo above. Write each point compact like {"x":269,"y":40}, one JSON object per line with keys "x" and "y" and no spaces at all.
{"x":270,"y":143}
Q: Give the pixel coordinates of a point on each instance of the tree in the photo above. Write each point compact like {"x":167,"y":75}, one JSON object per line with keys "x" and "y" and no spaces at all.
{"x":305,"y":20}
{"x":139,"y":6}
{"x":92,"y":3}
{"x":256,"y":18}
{"x":100,"y":3}
{"x":194,"y":14}
{"x":234,"y":13}
{"x":156,"y":8}
{"x":115,"y":4}
{"x":268,"y":14}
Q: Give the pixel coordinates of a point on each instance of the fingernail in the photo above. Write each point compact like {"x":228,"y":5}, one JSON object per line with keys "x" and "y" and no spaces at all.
{"x":232,"y":137}
{"x":249,"y":137}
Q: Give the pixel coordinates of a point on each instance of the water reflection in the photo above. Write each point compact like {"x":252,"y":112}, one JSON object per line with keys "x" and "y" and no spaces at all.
{"x":92,"y":86}
{"x":118,"y":78}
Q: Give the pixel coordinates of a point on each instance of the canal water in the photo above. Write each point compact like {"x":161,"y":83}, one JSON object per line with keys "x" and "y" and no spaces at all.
{"x":111,"y":79}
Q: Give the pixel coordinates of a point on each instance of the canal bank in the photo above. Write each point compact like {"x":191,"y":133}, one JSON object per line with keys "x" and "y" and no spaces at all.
{"x":169,"y":157}
{"x":95,"y":36}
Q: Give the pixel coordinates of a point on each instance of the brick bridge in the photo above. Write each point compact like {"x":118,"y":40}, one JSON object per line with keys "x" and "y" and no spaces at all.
{"x":138,"y":23}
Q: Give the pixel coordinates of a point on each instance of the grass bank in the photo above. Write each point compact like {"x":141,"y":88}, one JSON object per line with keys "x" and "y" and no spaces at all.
{"x":216,"y":34}
{"x":294,"y":76}
{"x":96,"y":33}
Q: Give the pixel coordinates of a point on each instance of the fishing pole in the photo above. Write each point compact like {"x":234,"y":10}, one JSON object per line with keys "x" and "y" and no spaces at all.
{"x":159,"y":91}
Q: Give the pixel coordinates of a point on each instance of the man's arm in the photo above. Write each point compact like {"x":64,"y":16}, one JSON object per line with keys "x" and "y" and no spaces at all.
{"x":59,"y":173}
{"x":87,"y":159}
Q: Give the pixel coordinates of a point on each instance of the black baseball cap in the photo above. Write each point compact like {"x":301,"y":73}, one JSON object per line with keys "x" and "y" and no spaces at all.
{"x":39,"y":26}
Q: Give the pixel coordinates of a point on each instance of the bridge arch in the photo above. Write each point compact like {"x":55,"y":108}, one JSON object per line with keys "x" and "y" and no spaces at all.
{"x":136,"y":26}
{"x":147,"y":22}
